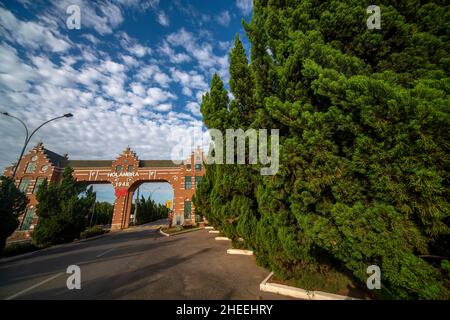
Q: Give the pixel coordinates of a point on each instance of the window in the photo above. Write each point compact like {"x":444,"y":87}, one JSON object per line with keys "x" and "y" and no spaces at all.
{"x":130,"y":168}
{"x":187,"y":182}
{"x":24,"y":183}
{"x":187,"y":210}
{"x":119,"y":169}
{"x":27,"y":219}
{"x":31,"y":167}
{"x":198,"y":167}
{"x":38,"y":184}
{"x":188,"y":167}
{"x":197,"y":181}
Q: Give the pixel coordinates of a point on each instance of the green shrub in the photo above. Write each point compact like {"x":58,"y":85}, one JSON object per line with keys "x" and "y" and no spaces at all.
{"x":17,"y":248}
{"x":92,"y":232}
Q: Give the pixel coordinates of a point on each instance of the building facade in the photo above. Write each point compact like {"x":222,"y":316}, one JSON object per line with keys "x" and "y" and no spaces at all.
{"x":126,"y":173}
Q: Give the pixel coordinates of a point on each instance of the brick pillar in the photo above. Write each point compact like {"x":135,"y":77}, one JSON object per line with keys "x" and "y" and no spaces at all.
{"x":128,"y":210}
{"x":122,"y":211}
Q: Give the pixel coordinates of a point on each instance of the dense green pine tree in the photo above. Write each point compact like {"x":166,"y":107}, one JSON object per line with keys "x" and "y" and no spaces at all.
{"x":12,"y":204}
{"x":364,"y":155}
{"x":62,"y":210}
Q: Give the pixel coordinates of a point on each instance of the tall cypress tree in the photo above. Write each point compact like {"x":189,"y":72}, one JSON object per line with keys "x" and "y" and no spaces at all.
{"x":364,"y":117}
{"x":241,"y":83}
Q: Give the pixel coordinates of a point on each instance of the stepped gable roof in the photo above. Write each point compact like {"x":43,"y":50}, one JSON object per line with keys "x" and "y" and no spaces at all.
{"x":55,"y":159}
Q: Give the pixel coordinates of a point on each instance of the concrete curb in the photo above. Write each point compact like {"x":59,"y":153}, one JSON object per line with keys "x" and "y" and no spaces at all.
{"x":222,"y":239}
{"x":209,"y":228}
{"x":177,"y":233}
{"x":298,"y":293}
{"x":214,"y":231}
{"x":240,"y":252}
{"x":163,"y":233}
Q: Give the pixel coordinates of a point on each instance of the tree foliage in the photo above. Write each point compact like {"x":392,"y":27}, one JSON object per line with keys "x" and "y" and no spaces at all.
{"x":101,"y":214}
{"x":364,"y":147}
{"x":62,"y":210}
{"x":12,"y":204}
{"x":148,"y":211}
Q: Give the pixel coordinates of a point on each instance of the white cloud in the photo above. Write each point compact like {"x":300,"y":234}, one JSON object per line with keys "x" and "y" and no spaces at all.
{"x":202,"y":52}
{"x":118,"y":98}
{"x":173,"y":57}
{"x":163,"y":19}
{"x":14,"y":74}
{"x":30,"y":34}
{"x":157,"y":95}
{"x":194,"y":108}
{"x":102,"y":17}
{"x":132,"y":45}
{"x":163,"y":107}
{"x":189,"y":80}
{"x":129,"y":60}
{"x":153,"y":72}
{"x":245,"y":6}
{"x":224,"y":19}
{"x":138,"y":89}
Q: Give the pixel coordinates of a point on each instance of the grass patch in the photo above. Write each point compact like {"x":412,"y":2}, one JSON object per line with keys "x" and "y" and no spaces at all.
{"x":331,"y":281}
{"x":18,"y":248}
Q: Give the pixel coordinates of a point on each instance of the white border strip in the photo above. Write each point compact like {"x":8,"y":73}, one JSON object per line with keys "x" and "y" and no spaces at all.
{"x":214,"y":231}
{"x":240,"y":251}
{"x":298,"y":293}
{"x":222,"y":239}
{"x":163,"y":233}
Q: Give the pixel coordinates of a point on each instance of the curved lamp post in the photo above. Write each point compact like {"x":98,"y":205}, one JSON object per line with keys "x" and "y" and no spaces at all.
{"x":29,"y":136}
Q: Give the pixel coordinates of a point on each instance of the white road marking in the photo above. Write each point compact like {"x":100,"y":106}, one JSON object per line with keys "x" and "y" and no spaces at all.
{"x":107,"y":251}
{"x":34,"y":286}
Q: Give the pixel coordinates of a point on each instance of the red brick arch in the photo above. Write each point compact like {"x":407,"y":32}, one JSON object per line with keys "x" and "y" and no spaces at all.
{"x":126,"y":173}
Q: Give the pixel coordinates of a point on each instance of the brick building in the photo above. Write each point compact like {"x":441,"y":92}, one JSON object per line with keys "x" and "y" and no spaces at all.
{"x":126,"y":173}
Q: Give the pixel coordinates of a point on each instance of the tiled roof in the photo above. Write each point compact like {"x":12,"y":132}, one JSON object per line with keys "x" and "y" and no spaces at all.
{"x":90,"y":163}
{"x":157,"y":164}
{"x":56,"y":159}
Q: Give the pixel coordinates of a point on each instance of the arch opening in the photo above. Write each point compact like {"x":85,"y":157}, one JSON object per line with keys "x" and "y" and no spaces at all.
{"x":151,"y":201}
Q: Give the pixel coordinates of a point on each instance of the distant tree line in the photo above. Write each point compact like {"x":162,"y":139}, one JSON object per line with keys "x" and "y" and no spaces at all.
{"x":148,"y":211}
{"x":101,"y":214}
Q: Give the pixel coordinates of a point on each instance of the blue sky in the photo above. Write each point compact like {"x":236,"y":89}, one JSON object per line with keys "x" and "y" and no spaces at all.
{"x":132,"y":75}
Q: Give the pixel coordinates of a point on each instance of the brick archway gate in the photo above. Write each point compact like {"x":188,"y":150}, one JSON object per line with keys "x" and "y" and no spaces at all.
{"x":127,"y":172}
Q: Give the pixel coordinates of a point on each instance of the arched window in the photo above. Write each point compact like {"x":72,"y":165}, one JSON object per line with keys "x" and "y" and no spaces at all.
{"x":187,"y":209}
{"x":31,"y":167}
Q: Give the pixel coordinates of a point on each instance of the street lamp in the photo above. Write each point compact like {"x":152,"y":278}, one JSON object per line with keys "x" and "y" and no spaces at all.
{"x":28,"y":137}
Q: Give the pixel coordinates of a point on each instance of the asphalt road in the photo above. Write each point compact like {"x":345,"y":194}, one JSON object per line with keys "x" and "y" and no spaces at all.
{"x":136,"y":264}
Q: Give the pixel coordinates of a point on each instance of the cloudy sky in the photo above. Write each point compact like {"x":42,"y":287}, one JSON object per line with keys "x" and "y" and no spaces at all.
{"x":132,"y":75}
